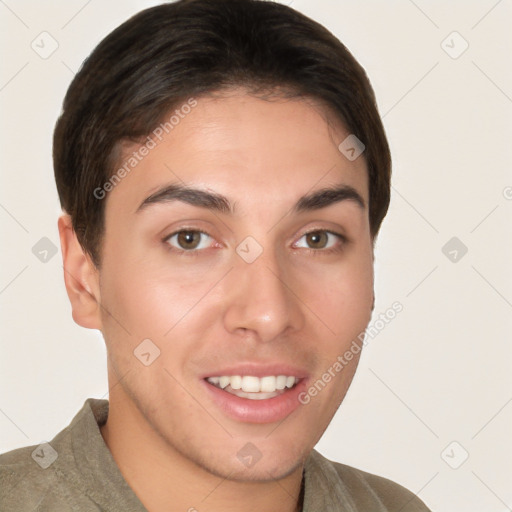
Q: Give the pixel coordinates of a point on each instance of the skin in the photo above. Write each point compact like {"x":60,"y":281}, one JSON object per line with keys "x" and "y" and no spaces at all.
{"x":297,"y":303}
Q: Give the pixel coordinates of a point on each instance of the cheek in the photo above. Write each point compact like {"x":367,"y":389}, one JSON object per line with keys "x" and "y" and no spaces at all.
{"x":342,"y":296}
{"x":343,"y":303}
{"x":151,"y":298}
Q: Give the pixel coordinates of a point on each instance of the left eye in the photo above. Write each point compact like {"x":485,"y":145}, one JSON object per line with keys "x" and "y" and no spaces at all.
{"x":320,"y":239}
{"x":189,"y":240}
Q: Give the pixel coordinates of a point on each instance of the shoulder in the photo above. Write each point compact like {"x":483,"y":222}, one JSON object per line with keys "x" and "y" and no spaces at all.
{"x":367,"y":489}
{"x":44,"y":477}
{"x":24,"y":483}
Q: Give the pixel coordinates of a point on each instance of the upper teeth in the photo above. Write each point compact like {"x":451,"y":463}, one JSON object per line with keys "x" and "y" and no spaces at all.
{"x":249,"y":383}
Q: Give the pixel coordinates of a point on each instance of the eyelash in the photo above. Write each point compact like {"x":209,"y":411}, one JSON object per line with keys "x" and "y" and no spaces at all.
{"x":183,"y":252}
{"x":342,"y":241}
{"x":340,"y":246}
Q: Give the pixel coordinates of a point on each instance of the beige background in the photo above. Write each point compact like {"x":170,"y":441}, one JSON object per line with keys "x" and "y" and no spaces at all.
{"x":440,"y":371}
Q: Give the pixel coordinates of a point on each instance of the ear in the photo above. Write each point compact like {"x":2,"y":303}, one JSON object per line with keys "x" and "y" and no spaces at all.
{"x":80,"y":276}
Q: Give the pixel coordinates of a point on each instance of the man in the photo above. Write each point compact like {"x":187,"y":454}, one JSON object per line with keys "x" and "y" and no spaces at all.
{"x":223,"y":174}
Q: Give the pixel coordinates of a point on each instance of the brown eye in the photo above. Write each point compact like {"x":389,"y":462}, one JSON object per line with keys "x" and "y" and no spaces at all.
{"x":189,"y":240}
{"x":321,"y":240}
{"x":317,"y":239}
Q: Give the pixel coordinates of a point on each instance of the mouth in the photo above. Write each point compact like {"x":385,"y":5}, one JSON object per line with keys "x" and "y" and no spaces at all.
{"x":254,"y":388}
{"x":266,"y":397}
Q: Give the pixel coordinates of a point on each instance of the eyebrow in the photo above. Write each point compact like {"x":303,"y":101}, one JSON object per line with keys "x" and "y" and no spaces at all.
{"x":328,"y":196}
{"x":217,"y":202}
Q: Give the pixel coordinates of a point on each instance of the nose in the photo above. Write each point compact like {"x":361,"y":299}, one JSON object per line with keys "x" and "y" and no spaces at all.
{"x":260,"y":299}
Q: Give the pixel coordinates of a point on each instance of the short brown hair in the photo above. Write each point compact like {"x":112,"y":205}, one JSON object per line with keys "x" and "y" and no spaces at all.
{"x":166,"y":54}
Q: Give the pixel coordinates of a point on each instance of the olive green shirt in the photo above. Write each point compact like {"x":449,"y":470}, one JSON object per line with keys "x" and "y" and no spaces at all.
{"x":76,"y":472}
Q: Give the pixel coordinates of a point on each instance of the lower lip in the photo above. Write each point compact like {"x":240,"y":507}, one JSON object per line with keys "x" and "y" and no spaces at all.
{"x":257,"y":411}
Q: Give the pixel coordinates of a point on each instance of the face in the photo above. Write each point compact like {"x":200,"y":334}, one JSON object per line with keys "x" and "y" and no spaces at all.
{"x":225,"y":249}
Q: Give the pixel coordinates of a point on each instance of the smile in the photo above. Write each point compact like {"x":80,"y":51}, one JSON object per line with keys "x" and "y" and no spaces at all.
{"x":254,"y":388}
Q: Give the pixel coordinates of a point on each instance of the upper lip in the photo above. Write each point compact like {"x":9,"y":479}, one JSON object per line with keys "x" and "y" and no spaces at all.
{"x":258,"y":370}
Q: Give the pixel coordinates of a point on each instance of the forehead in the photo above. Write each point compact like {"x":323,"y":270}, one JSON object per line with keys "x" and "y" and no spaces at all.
{"x":254,"y":150}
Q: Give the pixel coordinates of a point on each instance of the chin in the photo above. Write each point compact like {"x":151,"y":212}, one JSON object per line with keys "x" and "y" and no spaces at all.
{"x":260,"y":472}
{"x":251,"y":465}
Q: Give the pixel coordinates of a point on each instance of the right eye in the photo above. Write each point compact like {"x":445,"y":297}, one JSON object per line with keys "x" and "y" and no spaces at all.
{"x":189,"y":240}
